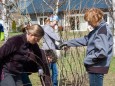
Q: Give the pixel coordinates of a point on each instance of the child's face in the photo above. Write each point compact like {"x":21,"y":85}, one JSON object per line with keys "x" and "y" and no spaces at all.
{"x":49,"y":59}
{"x":33,"y":39}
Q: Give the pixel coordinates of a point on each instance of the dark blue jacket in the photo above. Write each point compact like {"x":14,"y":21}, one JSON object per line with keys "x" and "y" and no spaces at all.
{"x":99,"y":44}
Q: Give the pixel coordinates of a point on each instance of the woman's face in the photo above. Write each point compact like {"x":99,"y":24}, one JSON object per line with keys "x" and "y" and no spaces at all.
{"x":92,"y":24}
{"x":33,"y":39}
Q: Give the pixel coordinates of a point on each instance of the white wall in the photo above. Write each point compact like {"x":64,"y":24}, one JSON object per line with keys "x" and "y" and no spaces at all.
{"x":83,"y":26}
{"x":1,"y":21}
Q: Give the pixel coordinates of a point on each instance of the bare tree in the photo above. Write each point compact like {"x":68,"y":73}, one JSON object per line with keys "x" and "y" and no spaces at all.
{"x":5,"y":12}
{"x":113,"y":5}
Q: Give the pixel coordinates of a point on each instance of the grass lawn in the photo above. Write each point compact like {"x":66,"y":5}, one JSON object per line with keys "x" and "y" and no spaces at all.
{"x":110,"y":77}
{"x":70,"y":67}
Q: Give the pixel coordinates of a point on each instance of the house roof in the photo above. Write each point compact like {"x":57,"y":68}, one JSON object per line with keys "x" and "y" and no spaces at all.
{"x":38,"y":6}
{"x":22,"y":5}
{"x":84,"y":4}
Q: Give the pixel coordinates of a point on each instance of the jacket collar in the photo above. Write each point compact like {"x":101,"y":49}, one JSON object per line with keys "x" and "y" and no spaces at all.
{"x":100,"y":24}
{"x":24,"y":38}
{"x":26,"y":43}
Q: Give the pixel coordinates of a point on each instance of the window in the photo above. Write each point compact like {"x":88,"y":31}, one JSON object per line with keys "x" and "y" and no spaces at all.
{"x":77,"y":23}
{"x":41,"y":21}
{"x":72,"y":23}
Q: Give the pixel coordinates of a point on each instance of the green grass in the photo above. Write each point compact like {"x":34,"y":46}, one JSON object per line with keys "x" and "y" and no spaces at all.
{"x":112,"y":65}
{"x":10,"y":35}
{"x":13,"y":34}
{"x":109,"y":78}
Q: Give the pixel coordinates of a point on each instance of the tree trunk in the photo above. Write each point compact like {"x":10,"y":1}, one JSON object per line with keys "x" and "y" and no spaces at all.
{"x":113,"y":1}
{"x":5,"y":23}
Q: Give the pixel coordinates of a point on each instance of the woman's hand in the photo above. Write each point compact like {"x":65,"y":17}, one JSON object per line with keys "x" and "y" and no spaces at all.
{"x":64,"y":47}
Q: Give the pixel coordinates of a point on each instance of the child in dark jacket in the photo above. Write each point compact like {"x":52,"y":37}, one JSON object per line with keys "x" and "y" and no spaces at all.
{"x":99,"y":44}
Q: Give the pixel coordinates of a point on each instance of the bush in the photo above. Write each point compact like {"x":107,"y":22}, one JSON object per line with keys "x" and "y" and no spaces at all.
{"x":13,"y":26}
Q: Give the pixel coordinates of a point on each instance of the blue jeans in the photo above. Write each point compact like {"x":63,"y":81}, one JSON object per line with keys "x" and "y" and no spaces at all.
{"x":96,"y":79}
{"x":53,"y":67}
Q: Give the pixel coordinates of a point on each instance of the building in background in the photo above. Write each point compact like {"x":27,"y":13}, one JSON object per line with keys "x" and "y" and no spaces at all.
{"x":71,"y":12}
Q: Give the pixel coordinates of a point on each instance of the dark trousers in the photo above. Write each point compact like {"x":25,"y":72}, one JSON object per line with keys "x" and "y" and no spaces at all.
{"x":25,"y":79}
{"x":11,"y":80}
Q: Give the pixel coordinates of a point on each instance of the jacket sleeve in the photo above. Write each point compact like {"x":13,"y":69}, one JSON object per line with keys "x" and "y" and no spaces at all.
{"x":77,"y":42}
{"x":49,"y":31}
{"x":101,"y":47}
{"x":39,"y":56}
{"x":100,"y":50}
{"x":8,"y":48}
